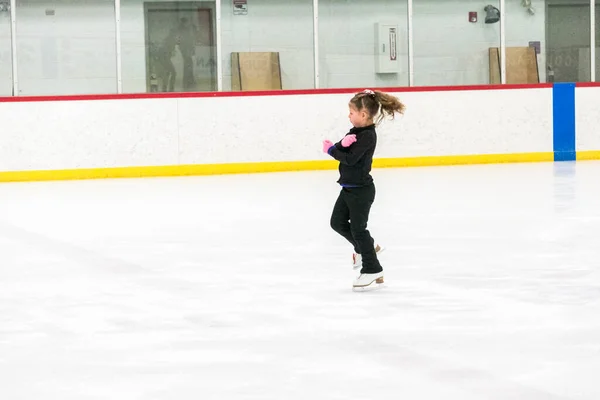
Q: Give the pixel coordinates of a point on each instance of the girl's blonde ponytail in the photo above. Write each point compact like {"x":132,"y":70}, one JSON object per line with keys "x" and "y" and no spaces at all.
{"x":389,"y":106}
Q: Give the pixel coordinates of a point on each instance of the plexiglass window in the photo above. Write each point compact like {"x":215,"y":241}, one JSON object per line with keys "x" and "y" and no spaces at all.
{"x":363,"y":43}
{"x":567,"y":41}
{"x":456,"y":43}
{"x":267,"y":45}
{"x":66,"y":47}
{"x":168,"y":46}
{"x":6,"y":82}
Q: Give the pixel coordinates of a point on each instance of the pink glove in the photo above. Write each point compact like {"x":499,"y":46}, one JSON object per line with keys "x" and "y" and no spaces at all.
{"x":326,"y":145}
{"x":348,"y":140}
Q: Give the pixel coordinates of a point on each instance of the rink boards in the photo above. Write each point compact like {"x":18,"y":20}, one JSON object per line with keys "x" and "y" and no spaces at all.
{"x":80,"y":137}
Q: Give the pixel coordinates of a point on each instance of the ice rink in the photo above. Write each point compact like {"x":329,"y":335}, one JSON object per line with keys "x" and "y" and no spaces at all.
{"x":235,"y":287}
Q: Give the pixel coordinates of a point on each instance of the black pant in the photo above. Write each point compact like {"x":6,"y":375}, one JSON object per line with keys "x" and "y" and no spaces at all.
{"x":349,"y":218}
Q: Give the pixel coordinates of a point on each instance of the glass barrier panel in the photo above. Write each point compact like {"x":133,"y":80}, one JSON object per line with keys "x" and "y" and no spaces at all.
{"x":525,"y":42}
{"x":456,"y":45}
{"x":6,"y":82}
{"x":567,"y":41}
{"x":66,"y":47}
{"x":267,"y":45}
{"x":168,"y":46}
{"x":597,"y":35}
{"x":363,"y":44}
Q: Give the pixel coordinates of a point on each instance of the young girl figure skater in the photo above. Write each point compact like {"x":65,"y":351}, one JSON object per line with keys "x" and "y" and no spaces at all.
{"x":355,"y":154}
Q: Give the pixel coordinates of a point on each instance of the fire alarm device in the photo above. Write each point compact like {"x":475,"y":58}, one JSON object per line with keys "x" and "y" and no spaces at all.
{"x":472,"y":16}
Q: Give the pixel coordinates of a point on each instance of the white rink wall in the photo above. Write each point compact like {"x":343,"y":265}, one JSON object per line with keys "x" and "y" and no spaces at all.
{"x":50,"y":135}
{"x":587,"y":118}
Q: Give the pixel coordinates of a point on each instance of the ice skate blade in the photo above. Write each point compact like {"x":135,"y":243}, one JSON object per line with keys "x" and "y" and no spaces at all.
{"x":375,"y":285}
{"x":369,"y":288}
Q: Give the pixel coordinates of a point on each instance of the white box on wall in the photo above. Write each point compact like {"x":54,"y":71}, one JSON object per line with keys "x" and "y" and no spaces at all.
{"x":386,"y":48}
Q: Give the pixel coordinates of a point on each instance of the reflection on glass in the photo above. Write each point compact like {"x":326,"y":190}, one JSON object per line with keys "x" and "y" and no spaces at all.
{"x":568,"y":42}
{"x":66,"y":47}
{"x":168,"y":46}
{"x":6,"y":84}
{"x":363,"y":44}
{"x":267,"y":44}
{"x":597,"y":34}
{"x":525,"y":43}
{"x":456,"y":45}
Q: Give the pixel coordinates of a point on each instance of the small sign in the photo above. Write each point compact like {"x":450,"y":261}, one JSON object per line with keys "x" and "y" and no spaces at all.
{"x":240,"y":7}
{"x":537,"y":46}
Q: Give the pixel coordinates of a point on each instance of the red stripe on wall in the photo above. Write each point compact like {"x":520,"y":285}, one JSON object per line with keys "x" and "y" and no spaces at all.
{"x":131,"y":96}
{"x":587,"y":84}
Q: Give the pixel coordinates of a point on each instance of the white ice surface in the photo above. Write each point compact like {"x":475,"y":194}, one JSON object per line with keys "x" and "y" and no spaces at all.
{"x":235,"y":287}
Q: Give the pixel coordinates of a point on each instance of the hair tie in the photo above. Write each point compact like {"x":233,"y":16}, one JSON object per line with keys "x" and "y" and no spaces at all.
{"x":369,"y":92}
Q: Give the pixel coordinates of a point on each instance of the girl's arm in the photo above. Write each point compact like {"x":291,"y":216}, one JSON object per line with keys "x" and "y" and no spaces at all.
{"x":354,"y":152}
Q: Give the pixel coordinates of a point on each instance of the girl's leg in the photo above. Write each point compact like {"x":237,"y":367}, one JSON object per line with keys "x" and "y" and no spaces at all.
{"x":340,"y":217}
{"x":359,"y":201}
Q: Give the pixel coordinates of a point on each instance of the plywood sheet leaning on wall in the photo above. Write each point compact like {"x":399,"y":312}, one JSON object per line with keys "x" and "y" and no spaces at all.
{"x":255,"y":71}
{"x":521,"y":65}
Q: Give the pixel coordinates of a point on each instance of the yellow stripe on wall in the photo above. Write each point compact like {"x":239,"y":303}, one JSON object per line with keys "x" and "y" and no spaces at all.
{"x":588,"y":155}
{"x":261,"y":167}
{"x":463,"y":160}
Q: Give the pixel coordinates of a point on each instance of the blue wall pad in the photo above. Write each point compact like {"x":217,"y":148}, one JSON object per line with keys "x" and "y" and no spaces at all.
{"x":563,"y":109}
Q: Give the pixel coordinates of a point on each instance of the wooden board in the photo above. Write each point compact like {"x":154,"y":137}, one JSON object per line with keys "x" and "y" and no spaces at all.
{"x":255,"y":71}
{"x":521,"y":65}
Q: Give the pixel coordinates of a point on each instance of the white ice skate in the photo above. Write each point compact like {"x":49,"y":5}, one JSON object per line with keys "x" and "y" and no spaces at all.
{"x":357,"y":258}
{"x":368,"y":281}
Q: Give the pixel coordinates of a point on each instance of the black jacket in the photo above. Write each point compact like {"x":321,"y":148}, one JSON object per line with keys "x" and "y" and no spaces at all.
{"x":357,"y":159}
